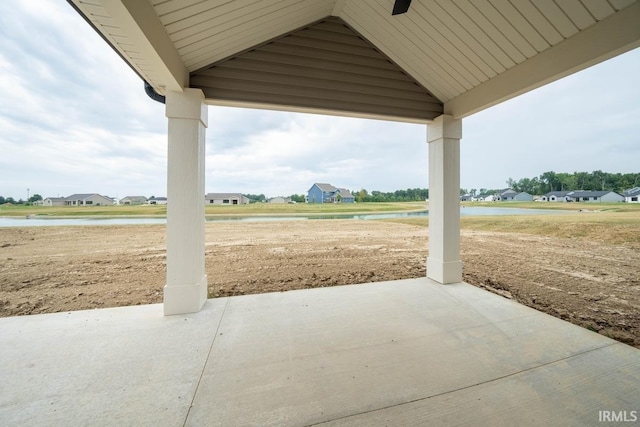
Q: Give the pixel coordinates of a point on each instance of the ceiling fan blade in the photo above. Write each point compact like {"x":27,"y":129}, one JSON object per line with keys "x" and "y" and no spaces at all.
{"x":400,"y":7}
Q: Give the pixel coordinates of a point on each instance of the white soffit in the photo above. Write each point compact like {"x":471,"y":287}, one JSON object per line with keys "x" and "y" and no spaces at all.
{"x":470,"y":54}
{"x":132,"y":28}
{"x":205,"y":32}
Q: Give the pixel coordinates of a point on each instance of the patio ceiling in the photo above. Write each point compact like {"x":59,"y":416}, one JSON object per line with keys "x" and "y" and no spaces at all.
{"x":352,"y":57}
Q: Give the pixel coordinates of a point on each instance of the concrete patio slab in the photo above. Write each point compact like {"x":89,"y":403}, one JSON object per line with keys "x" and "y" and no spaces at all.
{"x":409,"y":352}
{"x":115,"y":366}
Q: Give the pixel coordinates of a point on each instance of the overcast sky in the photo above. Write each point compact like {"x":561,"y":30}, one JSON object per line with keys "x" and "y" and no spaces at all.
{"x":74,"y":118}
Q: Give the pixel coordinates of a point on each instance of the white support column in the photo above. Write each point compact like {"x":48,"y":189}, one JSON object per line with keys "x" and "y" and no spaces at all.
{"x":186,"y":288}
{"x":443,"y":263}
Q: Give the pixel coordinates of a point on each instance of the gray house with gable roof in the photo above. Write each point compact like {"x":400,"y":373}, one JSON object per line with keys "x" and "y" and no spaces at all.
{"x":595,"y":196}
{"x":510,"y":195}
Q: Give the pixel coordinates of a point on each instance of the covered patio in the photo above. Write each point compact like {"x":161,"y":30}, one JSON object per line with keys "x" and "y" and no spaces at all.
{"x":422,"y":62}
{"x":408,"y":352}
{"x":429,"y":351}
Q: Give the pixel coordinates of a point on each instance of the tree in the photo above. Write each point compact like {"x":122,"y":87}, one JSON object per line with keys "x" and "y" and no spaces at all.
{"x":253,"y":198}
{"x":562,"y":181}
{"x":362,"y":196}
{"x":35,"y":198}
{"x":550,"y":180}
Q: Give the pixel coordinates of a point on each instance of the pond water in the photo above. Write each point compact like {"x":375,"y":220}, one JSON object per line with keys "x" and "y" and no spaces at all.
{"x":464,"y":211}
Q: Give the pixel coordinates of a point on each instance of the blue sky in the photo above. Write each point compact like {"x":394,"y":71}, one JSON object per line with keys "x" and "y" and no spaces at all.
{"x":74,"y":118}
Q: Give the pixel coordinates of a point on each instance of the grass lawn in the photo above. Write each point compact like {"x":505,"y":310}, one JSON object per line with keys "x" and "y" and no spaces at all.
{"x":612,"y":223}
{"x":615,"y":207}
{"x":210,"y":210}
{"x":606,"y":226}
{"x":74,"y":211}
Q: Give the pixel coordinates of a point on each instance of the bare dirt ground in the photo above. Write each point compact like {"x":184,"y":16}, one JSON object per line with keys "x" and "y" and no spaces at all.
{"x":52,"y":269}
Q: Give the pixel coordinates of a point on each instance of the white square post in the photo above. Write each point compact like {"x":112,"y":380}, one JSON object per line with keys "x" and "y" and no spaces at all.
{"x":443,"y":263}
{"x":186,"y":287}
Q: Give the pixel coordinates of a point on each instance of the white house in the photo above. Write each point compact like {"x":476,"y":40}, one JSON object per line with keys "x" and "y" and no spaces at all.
{"x":556,"y":196}
{"x":595,"y":196}
{"x":485,"y":198}
{"x":90,"y":199}
{"x":632,"y":196}
{"x":133,"y":200}
{"x":279,"y":200}
{"x":53,"y":201}
{"x":157,"y":201}
{"x":226,"y":199}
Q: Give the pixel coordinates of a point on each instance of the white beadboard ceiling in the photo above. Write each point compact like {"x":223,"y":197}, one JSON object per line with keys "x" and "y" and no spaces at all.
{"x":469,"y":54}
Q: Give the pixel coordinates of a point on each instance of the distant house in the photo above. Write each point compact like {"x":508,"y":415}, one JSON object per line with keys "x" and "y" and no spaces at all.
{"x":485,"y":197}
{"x":510,"y":195}
{"x":632,"y":196}
{"x":226,"y":199}
{"x":133,"y":200}
{"x":523,"y":196}
{"x":556,"y":196}
{"x":505,"y":195}
{"x":327,"y":193}
{"x":279,"y":200}
{"x":595,"y":196}
{"x":89,"y":199}
{"x":157,"y":201}
{"x":53,"y":201}
{"x":466,"y":198}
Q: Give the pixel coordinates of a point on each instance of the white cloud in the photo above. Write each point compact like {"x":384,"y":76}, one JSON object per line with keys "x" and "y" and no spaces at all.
{"x":286,"y":153}
{"x":585,"y":122}
{"x":75,"y":118}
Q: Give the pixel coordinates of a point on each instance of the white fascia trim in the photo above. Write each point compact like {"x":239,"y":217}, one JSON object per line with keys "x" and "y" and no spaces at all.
{"x":139,"y":21}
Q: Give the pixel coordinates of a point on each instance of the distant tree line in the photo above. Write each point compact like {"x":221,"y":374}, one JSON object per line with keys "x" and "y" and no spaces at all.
{"x":548,"y":181}
{"x":362,"y":196}
{"x":256,"y":198}
{"x":11,"y":200}
{"x":561,"y":181}
{"x":408,"y":195}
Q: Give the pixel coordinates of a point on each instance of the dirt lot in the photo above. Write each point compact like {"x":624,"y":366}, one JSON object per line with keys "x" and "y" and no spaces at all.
{"x":51,"y":269}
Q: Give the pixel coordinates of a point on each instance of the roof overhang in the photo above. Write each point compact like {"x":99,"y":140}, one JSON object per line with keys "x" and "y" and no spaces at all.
{"x":460,"y":57}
